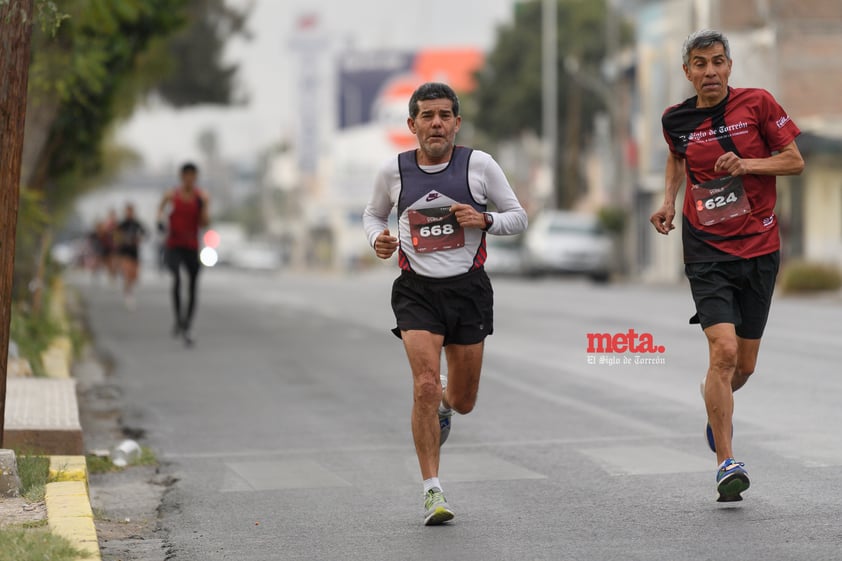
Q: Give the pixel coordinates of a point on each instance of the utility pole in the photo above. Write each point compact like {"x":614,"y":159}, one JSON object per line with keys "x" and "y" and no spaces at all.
{"x":549,"y":94}
{"x":15,"y":40}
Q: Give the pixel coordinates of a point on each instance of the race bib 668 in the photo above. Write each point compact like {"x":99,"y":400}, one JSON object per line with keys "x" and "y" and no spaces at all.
{"x":435,"y":229}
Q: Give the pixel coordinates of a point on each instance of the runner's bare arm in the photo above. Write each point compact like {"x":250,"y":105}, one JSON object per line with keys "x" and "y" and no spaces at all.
{"x":787,"y":161}
{"x":165,"y":200}
{"x":162,"y":207}
{"x":204,"y":216}
{"x":674,"y":179}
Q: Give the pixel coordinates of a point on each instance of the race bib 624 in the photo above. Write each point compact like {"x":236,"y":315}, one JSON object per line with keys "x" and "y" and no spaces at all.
{"x":720,"y":199}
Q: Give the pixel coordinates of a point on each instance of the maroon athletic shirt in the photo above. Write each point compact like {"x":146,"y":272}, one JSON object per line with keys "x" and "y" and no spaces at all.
{"x":725,"y":220}
{"x":184,"y":221}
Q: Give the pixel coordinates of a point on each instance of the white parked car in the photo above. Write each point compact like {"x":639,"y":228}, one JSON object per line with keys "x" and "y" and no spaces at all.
{"x":569,"y":243}
{"x":505,"y":255}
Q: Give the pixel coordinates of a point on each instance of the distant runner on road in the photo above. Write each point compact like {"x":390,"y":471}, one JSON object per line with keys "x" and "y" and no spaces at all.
{"x":443,"y":298}
{"x":188,"y":212}
{"x":129,"y":234}
{"x":726,"y":145}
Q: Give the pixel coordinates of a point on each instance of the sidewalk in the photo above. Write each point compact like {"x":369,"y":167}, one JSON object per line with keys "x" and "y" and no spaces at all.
{"x":42,"y":417}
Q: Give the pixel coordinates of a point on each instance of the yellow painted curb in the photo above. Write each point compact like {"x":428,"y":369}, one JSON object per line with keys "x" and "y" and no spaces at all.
{"x":68,"y":468}
{"x":57,"y":358}
{"x":58,"y":304}
{"x":81,"y":533}
{"x":69,"y":512}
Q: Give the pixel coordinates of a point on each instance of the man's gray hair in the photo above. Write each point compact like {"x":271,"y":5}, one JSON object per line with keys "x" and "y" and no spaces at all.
{"x":703,"y":39}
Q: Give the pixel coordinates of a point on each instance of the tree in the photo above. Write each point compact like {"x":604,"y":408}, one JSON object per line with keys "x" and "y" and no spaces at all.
{"x":15,"y":41}
{"x":197,"y":73}
{"x":508,"y":94}
{"x":82,"y":76}
{"x":106,"y":58}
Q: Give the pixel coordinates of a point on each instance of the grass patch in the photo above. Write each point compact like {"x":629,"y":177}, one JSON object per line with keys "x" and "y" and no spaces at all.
{"x":103,"y":464}
{"x":100,"y":464}
{"x":99,"y":514}
{"x":805,"y":277}
{"x":147,"y":457}
{"x":36,"y":545}
{"x":34,"y":473}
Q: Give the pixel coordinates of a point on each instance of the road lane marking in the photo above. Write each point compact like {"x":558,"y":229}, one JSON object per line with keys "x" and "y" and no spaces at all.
{"x":280,"y":452}
{"x":810,"y":450}
{"x":295,"y":473}
{"x":470,"y":467}
{"x":540,"y":392}
{"x":647,"y":460}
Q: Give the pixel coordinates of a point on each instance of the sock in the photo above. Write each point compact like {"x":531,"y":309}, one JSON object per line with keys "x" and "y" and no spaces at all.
{"x":443,"y":409}
{"x":431,"y":483}
{"x":722,"y":465}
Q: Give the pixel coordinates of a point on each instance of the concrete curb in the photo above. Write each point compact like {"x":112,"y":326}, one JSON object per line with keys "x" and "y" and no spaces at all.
{"x":69,"y":512}
{"x":58,"y":357}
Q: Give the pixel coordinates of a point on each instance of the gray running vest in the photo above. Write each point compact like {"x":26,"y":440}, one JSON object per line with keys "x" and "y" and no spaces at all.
{"x":425,"y":191}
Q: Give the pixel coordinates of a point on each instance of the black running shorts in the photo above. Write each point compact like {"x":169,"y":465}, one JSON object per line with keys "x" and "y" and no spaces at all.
{"x":460,"y":308}
{"x":737,"y":292}
{"x":129,"y":251}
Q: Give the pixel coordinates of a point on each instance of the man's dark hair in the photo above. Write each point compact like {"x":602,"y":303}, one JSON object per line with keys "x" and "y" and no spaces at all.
{"x":702,"y":40}
{"x":432,"y":90}
{"x":189,"y":167}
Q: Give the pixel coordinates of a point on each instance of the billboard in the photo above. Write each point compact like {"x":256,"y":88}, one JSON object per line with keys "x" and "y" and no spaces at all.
{"x":374,"y":88}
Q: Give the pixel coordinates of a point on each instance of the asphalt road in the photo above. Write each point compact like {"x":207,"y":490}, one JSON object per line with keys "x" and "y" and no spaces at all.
{"x":287,"y":426}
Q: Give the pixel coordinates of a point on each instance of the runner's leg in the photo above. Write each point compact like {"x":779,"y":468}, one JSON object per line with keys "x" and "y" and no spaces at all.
{"x":173,"y":260}
{"x":191,"y":262}
{"x":125,"y":265}
{"x":423,"y":349}
{"x":719,"y":397}
{"x":747,"y":350}
{"x":464,"y":363}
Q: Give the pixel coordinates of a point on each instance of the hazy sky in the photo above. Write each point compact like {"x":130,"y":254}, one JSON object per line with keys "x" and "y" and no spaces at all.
{"x":267,"y":71}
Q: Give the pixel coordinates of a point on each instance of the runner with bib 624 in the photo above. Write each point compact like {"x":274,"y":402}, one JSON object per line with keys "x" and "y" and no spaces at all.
{"x":726,"y":145}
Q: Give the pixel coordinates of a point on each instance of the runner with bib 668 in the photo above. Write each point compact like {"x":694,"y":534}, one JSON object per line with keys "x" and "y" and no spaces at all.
{"x":442,"y":298}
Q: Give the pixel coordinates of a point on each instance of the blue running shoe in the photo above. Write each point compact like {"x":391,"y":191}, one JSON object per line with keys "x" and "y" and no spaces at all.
{"x":444,"y":425}
{"x":709,"y":435}
{"x":444,"y":415}
{"x":708,"y":430}
{"x":711,"y":441}
{"x":731,"y":481}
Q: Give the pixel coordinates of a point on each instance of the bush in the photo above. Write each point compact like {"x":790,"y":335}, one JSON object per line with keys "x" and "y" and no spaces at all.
{"x":613,"y":219}
{"x":34,"y":474}
{"x":803,"y":276}
{"x":33,"y":333}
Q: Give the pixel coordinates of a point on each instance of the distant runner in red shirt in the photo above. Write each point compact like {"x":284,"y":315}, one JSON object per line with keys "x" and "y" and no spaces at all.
{"x":188,"y":212}
{"x":726,"y":145}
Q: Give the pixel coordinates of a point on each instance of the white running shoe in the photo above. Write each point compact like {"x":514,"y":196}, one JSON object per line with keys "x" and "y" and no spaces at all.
{"x":437,"y":510}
